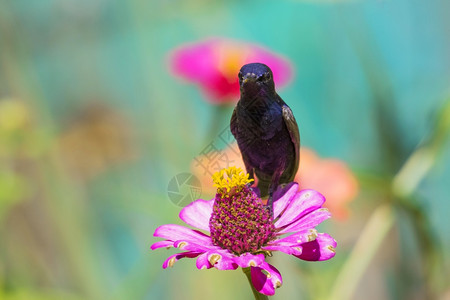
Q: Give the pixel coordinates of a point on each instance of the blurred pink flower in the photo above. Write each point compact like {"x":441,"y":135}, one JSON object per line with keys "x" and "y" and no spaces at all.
{"x":213,"y":64}
{"x":332,"y":177}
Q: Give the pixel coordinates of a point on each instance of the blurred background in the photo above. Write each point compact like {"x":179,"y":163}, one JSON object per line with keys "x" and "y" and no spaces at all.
{"x":95,"y":122}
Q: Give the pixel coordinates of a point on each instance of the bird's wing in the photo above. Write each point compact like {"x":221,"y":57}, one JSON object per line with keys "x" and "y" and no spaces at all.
{"x":292,"y":127}
{"x":233,"y":123}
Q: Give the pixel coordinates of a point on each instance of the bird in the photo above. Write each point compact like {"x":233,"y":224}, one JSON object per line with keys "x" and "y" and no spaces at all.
{"x":266,"y":131}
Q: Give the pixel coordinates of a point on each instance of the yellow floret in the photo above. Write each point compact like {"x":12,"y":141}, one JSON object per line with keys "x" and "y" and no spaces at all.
{"x":235,"y":177}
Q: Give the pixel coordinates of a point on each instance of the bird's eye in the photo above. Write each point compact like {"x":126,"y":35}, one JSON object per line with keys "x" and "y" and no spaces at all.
{"x":240,"y":76}
{"x":268,"y":76}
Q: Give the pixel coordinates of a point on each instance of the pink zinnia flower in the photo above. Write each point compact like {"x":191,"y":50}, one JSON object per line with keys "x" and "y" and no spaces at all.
{"x":238,"y":231}
{"x":214,"y":64}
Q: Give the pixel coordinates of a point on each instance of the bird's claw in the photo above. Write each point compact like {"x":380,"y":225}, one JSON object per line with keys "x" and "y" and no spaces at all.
{"x":254,"y":189}
{"x":269,"y":206}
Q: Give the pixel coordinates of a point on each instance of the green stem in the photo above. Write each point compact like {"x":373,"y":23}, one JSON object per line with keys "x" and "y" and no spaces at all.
{"x":367,"y":245}
{"x":404,"y":183}
{"x":256,"y":294}
{"x":427,"y":244}
{"x":378,"y":226}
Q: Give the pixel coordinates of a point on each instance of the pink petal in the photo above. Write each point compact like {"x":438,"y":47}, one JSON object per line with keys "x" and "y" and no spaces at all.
{"x":193,"y":61}
{"x":198,"y":62}
{"x":203,"y":262}
{"x":191,"y":246}
{"x":249,"y":260}
{"x":197,"y":214}
{"x":322,"y":248}
{"x":171,"y":260}
{"x":176,"y":232}
{"x":282,"y":200}
{"x":219,"y":89}
{"x":304,"y":202}
{"x":292,"y":244}
{"x":161,"y":244}
{"x":222,"y":260}
{"x":297,"y":238}
{"x":266,"y":278}
{"x":286,"y":249}
{"x":311,"y":220}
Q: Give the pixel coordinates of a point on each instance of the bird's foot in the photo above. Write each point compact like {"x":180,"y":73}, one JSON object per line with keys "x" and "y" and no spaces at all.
{"x":269,"y":206}
{"x":255,"y":189}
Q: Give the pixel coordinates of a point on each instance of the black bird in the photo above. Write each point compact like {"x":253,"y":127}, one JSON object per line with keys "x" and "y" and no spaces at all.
{"x":265,"y":130}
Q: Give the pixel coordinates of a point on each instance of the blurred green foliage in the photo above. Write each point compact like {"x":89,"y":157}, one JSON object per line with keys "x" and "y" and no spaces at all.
{"x":93,"y":126}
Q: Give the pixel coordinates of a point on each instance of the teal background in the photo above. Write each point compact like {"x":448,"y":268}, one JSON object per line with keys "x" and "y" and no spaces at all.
{"x":371,"y":85}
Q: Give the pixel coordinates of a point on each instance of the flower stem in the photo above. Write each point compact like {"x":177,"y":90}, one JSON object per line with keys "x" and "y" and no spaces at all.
{"x":370,"y":239}
{"x":404,"y":184}
{"x":258,"y":296}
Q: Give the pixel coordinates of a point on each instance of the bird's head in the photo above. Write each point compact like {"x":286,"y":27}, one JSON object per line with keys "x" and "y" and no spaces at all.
{"x":255,"y":77}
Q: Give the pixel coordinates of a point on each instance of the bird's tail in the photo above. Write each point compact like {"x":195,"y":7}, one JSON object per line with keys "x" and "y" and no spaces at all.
{"x":263,"y":183}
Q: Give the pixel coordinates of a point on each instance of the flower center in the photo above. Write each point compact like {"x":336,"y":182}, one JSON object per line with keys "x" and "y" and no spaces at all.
{"x":239,"y":221}
{"x":230,"y":58}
